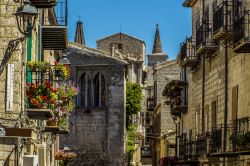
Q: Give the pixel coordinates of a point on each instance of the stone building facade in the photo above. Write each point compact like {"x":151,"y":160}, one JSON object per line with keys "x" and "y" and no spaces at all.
{"x":21,"y":137}
{"x":218,"y":85}
{"x":164,"y":126}
{"x":98,"y":122}
{"x":131,"y":49}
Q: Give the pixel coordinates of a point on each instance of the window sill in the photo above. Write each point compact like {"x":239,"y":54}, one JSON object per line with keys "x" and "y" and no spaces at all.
{"x":91,"y":109}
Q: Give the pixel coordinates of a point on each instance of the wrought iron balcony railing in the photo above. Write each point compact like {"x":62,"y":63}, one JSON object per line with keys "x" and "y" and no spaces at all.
{"x":39,"y":103}
{"x":202,"y":145}
{"x":241,"y":135}
{"x":216,"y":139}
{"x":187,"y":148}
{"x":187,"y":57}
{"x":54,"y":29}
{"x":183,"y":147}
{"x":205,"y":44}
{"x":241,"y":32}
{"x":222,"y":20}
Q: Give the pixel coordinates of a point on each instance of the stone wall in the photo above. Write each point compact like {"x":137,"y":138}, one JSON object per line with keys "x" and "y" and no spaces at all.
{"x":8,"y":32}
{"x":131,"y":50}
{"x":98,"y":135}
{"x":238,"y":75}
{"x":163,"y":73}
{"x":131,"y":47}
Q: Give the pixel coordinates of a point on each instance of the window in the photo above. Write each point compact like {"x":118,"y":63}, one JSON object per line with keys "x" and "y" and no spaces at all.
{"x":82,"y":90}
{"x":214,"y":115}
{"x":99,"y":90}
{"x":92,"y":93}
{"x":120,"y":46}
{"x":235,"y":103}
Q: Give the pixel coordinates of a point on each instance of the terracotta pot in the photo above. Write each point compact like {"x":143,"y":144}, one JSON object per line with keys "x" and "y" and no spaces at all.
{"x":63,"y":109}
{"x":44,"y":105}
{"x":52,"y":123}
{"x":64,"y":99}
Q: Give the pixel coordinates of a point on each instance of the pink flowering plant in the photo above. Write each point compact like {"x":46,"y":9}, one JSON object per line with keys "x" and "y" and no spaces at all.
{"x":65,"y":155}
{"x":66,"y":92}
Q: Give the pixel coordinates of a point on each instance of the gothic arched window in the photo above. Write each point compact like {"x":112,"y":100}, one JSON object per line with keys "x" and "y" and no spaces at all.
{"x":99,"y":90}
{"x":92,"y":91}
{"x":82,"y":90}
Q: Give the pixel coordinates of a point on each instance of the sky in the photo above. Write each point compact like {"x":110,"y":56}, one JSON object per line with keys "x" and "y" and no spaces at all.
{"x":137,"y":18}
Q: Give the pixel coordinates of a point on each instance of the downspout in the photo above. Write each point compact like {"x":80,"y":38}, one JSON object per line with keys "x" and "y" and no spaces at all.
{"x":203,"y":94}
{"x":203,"y":74}
{"x":226,"y":87}
{"x":40,"y":35}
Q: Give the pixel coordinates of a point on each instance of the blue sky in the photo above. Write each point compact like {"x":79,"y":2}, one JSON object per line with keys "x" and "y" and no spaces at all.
{"x":138,"y":18}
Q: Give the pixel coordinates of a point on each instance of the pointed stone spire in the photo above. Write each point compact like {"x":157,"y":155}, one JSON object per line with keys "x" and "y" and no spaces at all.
{"x":79,"y":35}
{"x":157,"y":48}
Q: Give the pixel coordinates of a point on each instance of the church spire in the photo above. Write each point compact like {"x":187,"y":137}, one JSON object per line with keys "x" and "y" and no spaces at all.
{"x":157,"y":48}
{"x":79,"y":35}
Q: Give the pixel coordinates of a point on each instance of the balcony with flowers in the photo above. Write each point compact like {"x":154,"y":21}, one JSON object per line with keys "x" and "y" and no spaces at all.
{"x":175,"y":98}
{"x":49,"y":95}
{"x":41,"y":96}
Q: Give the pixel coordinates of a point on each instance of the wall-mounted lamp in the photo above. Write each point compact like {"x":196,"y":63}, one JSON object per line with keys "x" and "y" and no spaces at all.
{"x":64,"y":60}
{"x":26,"y":16}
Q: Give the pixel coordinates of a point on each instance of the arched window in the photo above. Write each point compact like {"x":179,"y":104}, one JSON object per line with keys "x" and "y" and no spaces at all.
{"x":99,"y":90}
{"x":82,"y":90}
{"x":92,"y":92}
{"x":89,"y":92}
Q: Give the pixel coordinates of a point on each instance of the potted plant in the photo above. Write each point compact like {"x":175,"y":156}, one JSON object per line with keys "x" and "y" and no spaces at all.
{"x":41,"y":95}
{"x":52,"y":121}
{"x":66,"y":92}
{"x":64,"y":157}
{"x":39,"y":66}
{"x":62,"y":71}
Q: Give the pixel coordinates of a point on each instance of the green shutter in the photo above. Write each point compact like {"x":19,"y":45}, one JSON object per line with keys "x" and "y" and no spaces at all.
{"x":29,"y":47}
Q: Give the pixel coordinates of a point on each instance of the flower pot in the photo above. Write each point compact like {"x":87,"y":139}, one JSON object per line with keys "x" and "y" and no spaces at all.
{"x":64,"y":109}
{"x":44,"y":105}
{"x":52,"y":123}
{"x":64,"y":99}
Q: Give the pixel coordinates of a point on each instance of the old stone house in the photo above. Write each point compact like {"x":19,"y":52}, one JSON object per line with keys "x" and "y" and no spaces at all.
{"x":215,"y":62}
{"x":98,"y":121}
{"x":22,"y":136}
{"x":164,"y":126}
{"x":159,"y":125}
{"x":131,"y":50}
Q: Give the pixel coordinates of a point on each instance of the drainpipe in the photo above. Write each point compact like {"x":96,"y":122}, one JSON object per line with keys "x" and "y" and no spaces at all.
{"x":203,"y":75}
{"x":226,"y":87}
{"x":203,"y":93}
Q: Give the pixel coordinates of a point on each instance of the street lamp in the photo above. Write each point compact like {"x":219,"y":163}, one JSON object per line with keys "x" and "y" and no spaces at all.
{"x":64,"y":60}
{"x":26,"y":16}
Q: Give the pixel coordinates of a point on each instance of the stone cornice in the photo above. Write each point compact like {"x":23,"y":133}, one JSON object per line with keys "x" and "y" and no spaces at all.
{"x":189,"y":3}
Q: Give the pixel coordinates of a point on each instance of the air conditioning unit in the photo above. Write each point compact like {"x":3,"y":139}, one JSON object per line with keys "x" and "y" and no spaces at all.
{"x":30,"y":160}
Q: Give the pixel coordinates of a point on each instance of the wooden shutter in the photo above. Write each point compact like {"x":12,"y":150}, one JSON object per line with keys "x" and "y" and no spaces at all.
{"x":214,"y":115}
{"x":235,"y":103}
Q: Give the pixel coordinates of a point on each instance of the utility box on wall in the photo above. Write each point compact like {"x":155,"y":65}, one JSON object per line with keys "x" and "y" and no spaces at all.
{"x":30,"y":160}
